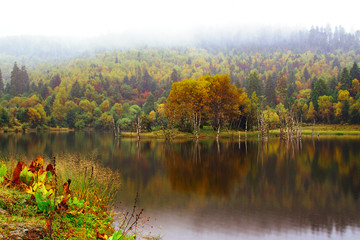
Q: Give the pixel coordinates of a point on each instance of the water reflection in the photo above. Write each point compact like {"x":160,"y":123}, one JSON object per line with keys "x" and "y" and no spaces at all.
{"x":211,"y":190}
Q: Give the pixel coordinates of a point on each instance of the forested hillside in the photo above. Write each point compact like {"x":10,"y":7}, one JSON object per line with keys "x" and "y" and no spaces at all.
{"x":312,"y":74}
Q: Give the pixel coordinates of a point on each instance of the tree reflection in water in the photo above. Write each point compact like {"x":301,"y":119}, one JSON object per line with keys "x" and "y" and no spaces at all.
{"x":309,"y":185}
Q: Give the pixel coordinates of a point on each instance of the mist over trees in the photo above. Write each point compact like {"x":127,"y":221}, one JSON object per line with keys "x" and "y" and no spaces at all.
{"x":313,"y":75}
{"x":251,"y":38}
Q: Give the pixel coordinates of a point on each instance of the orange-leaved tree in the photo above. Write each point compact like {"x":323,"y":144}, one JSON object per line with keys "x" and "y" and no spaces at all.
{"x":225,"y":100}
{"x":189,"y":98}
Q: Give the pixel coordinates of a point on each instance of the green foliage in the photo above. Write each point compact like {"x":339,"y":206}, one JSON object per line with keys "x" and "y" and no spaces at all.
{"x":254,"y":83}
{"x":80,"y":124}
{"x":45,"y":199}
{"x":26,"y":176}
{"x":345,"y":79}
{"x":270,"y":94}
{"x":3,"y":170}
{"x":319,"y":89}
{"x":149,"y":104}
{"x":125,"y":124}
{"x":70,"y":118}
{"x":76,"y":91}
{"x":4,"y":117}
{"x":118,"y":236}
{"x":75,"y":202}
{"x":19,"y":80}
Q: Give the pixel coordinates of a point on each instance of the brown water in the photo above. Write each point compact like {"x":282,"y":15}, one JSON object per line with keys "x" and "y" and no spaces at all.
{"x":300,"y":190}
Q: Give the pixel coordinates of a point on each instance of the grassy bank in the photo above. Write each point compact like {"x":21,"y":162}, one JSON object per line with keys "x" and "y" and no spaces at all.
{"x":86,"y":215}
{"x":307,"y":130}
{"x":208,"y":133}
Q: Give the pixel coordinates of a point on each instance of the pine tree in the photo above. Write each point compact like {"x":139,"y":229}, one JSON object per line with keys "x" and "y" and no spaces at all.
{"x":319,"y":89}
{"x":306,"y":74}
{"x":333,"y":83}
{"x":345,"y":79}
{"x":254,"y":83}
{"x":335,"y":63}
{"x":269,"y":93}
{"x":175,"y":76}
{"x":55,"y":81}
{"x":75,"y":91}
{"x":281,"y":88}
{"x":148,"y":83}
{"x":24,"y":80}
{"x":355,"y":72}
{"x":14,"y":80}
{"x":345,"y":107}
{"x":290,"y":90}
{"x":19,"y":80}
{"x":149,"y":104}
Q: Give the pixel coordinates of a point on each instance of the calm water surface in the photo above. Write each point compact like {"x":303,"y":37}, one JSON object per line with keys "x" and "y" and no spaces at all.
{"x":301,"y":190}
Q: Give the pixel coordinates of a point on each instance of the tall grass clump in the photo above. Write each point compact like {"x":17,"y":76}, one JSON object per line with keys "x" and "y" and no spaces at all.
{"x":89,"y":180}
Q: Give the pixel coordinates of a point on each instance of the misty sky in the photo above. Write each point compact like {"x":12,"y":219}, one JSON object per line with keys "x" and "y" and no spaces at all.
{"x":101,"y":17}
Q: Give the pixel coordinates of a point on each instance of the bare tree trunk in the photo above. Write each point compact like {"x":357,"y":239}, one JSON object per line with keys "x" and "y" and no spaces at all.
{"x":246,"y":129}
{"x":138,"y":127}
{"x":196,"y":124}
{"x":218,"y":133}
{"x":114,"y":128}
{"x":312,"y":133}
{"x":300,"y":134}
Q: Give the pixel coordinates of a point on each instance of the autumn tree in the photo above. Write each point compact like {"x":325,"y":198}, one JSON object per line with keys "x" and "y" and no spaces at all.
{"x":137,"y":116}
{"x":224,"y":100}
{"x":40,"y":109}
{"x":342,"y":107}
{"x":116,"y":112}
{"x":281,"y":88}
{"x":87,"y":106}
{"x":325,"y":107}
{"x":105,"y":106}
{"x":311,"y":113}
{"x":189,"y":98}
{"x":253,"y":111}
{"x":355,"y":87}
{"x":33,"y":117}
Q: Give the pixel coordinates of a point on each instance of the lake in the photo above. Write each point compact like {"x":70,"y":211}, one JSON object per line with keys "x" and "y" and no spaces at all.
{"x":228,"y":190}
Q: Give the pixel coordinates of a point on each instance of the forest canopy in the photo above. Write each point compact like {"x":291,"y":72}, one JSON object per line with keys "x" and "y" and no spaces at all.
{"x":312,"y":74}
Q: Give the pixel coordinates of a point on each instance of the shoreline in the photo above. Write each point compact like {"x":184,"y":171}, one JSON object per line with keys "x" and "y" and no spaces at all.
{"x":207,"y":133}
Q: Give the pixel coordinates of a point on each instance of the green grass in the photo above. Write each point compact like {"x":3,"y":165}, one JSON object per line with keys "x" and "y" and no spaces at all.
{"x":207,"y":132}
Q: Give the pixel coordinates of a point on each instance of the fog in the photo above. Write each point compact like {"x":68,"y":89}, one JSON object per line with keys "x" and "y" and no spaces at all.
{"x":42,"y":28}
{"x":93,"y":18}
